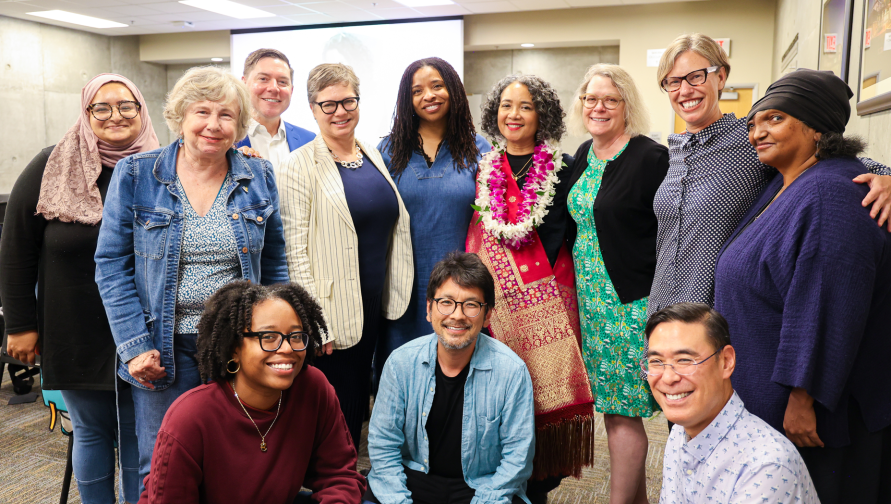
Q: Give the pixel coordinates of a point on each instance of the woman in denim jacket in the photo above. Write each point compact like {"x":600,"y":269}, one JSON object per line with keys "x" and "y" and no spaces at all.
{"x":179,"y":223}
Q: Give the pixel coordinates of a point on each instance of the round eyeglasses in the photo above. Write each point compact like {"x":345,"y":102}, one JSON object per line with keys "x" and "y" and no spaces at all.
{"x":447,"y":306}
{"x":104,"y":111}
{"x":609,"y":102}
{"x":271,"y":341}
{"x":684,"y":367}
{"x":330,"y":107}
{"x":694,"y":78}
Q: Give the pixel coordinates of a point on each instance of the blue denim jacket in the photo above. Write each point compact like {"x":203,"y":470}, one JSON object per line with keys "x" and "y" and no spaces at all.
{"x":497,"y":429}
{"x":138,"y":252}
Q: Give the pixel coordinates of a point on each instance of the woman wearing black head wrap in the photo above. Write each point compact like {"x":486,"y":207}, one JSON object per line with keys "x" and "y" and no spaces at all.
{"x":805,"y":281}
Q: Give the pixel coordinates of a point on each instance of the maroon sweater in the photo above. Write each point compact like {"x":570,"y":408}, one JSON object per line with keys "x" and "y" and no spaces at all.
{"x":208,"y":451}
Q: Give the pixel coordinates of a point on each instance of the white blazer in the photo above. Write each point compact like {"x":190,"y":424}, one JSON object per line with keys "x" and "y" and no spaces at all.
{"x":321,"y":244}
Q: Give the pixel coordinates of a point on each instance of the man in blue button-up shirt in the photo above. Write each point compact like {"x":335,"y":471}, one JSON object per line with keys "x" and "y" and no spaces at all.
{"x":717,"y":452}
{"x":453,"y":420}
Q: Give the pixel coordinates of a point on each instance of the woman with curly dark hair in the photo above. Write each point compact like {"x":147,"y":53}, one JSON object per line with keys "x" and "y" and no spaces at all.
{"x":432,"y":154}
{"x":519,"y":231}
{"x":264,"y":410}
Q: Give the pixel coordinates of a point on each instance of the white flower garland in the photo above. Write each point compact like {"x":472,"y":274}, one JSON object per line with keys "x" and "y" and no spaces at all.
{"x":538,"y":194}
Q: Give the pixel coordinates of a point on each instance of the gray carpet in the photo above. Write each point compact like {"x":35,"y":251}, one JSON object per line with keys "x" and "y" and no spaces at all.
{"x":32,"y":459}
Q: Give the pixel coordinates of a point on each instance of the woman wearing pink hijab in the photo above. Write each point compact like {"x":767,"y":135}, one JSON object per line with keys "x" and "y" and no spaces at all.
{"x":49,"y":239}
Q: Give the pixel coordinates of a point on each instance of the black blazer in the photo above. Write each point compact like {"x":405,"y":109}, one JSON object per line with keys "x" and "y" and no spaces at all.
{"x":623,"y":213}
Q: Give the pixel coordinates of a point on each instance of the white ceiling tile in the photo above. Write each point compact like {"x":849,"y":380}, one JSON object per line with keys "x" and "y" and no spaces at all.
{"x":131,"y":11}
{"x":51,"y":5}
{"x":443,"y":10}
{"x":18,"y":9}
{"x":487,"y":7}
{"x":327,"y":7}
{"x":288,"y":10}
{"x":369,"y":4}
{"x":403,"y":13}
{"x":195,"y":17}
{"x":308,"y":19}
{"x":354,"y":16}
{"x":93,"y":3}
{"x":528,"y":5}
{"x":261,"y":3}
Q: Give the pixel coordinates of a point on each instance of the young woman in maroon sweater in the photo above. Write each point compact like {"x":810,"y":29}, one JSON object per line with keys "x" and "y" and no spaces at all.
{"x":266,"y":423}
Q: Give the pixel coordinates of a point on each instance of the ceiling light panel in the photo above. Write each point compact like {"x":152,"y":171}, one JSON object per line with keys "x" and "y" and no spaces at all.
{"x":78,"y":19}
{"x":227,"y":8}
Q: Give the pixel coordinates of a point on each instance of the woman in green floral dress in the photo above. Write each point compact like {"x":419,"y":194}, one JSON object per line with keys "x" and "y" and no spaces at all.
{"x":614,"y":179}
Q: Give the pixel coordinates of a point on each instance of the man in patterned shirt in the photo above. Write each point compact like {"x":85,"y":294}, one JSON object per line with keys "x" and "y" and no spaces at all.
{"x":717,"y":452}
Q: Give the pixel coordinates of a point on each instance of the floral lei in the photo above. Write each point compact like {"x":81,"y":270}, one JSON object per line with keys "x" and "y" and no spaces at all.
{"x":538,"y":193}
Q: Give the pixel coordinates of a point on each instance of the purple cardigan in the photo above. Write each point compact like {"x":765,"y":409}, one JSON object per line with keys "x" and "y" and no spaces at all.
{"x":806,"y":289}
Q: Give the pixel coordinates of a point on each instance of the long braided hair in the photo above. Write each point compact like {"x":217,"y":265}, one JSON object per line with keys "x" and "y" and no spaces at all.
{"x":229,"y":312}
{"x":460,"y":133}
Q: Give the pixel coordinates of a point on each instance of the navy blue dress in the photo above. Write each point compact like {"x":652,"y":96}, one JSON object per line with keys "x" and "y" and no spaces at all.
{"x":374,"y":209}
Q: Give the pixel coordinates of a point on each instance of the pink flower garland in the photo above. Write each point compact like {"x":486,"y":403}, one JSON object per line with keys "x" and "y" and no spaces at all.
{"x":542,"y":165}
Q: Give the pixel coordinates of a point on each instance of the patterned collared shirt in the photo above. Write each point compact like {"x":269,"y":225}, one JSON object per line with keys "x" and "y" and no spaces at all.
{"x":738,"y":458}
{"x":714,"y":177}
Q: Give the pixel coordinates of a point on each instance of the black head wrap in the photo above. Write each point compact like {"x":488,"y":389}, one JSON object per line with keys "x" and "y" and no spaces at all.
{"x":817,"y":98}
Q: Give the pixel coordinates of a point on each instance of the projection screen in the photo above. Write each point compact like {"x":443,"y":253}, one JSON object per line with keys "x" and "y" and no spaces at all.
{"x":378,"y":53}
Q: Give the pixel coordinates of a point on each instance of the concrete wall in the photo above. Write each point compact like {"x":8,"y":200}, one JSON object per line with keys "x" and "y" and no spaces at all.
{"x":636,"y":28}
{"x":802,"y":18}
{"x":563,"y":68}
{"x":42,"y":71}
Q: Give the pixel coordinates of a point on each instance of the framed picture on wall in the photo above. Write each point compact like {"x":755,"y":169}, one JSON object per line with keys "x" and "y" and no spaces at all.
{"x":835,"y":36}
{"x":874,"y":87}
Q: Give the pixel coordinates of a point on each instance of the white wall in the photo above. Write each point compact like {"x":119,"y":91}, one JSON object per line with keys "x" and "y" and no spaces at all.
{"x":802,"y":18}
{"x":42,"y":71}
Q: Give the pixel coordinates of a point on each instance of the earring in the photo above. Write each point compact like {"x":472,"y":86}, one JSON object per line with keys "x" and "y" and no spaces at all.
{"x":180,"y":140}
{"x":236,"y":369}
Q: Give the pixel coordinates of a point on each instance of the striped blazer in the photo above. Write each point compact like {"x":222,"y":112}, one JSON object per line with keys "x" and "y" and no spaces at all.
{"x":321,"y":244}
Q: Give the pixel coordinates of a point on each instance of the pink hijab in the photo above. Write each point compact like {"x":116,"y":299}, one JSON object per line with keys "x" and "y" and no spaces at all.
{"x":68,"y":191}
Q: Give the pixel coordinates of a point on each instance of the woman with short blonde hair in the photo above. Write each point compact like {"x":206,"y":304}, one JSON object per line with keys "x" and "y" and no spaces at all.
{"x":347,"y":236}
{"x":613,"y":180}
{"x":179,"y":223}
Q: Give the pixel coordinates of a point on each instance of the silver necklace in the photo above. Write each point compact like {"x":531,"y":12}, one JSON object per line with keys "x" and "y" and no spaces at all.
{"x":262,"y":436}
{"x":352,"y":165}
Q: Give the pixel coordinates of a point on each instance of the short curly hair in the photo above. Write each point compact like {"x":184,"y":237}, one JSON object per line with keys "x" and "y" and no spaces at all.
{"x":228,"y":314}
{"x":545,"y":99}
{"x":207,"y":83}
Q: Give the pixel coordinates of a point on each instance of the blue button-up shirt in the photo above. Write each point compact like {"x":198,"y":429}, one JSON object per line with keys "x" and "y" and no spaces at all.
{"x":497,"y":428}
{"x":738,"y":458}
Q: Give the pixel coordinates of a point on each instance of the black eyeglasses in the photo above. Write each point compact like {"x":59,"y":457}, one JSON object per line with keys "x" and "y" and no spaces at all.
{"x":104,"y":111}
{"x":683,"y":367}
{"x":271,"y":341}
{"x":447,"y":306}
{"x":694,"y":78}
{"x":330,"y":107}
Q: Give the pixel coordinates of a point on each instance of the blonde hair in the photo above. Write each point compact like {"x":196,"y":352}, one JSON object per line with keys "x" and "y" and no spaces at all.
{"x":698,"y":43}
{"x":637,"y":121}
{"x":207,"y":83}
{"x":330,"y":74}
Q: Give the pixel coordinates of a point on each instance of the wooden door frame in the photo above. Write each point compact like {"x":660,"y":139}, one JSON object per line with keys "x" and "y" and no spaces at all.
{"x":745,"y":85}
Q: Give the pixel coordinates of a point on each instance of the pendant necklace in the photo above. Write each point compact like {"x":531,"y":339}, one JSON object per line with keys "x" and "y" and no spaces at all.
{"x":522,"y":171}
{"x":262,"y":436}
{"x":352,"y":165}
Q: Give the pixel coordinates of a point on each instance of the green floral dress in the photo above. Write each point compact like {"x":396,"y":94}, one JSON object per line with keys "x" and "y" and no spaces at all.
{"x":612,"y":332}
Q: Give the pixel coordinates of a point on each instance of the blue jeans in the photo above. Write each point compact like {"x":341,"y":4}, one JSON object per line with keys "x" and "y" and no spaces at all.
{"x":96,"y":416}
{"x":151,"y":405}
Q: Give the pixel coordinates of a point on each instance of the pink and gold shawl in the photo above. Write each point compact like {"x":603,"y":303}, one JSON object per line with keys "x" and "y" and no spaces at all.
{"x":536,"y":315}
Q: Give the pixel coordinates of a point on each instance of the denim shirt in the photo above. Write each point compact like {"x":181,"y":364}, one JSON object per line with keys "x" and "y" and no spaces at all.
{"x":138,"y":251}
{"x":497,"y":429}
